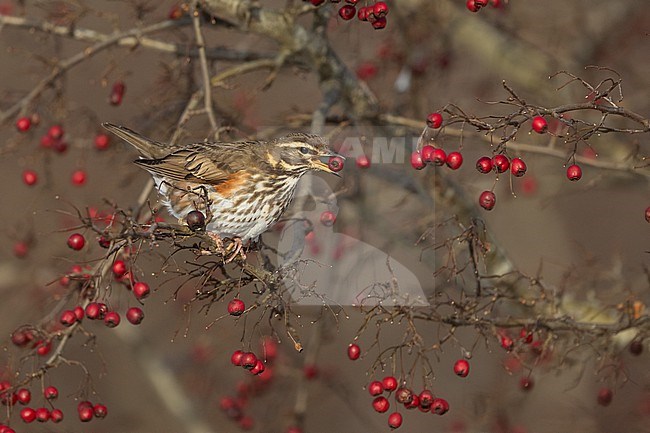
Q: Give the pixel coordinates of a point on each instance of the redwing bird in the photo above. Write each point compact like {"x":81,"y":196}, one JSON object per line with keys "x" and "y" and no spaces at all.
{"x":246,"y":184}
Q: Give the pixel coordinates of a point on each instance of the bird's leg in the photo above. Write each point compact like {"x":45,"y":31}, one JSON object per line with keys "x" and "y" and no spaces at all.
{"x":237,"y":246}
{"x":217,"y":240}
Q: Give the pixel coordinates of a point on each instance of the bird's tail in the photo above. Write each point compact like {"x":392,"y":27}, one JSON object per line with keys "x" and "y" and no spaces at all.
{"x":147,"y":147}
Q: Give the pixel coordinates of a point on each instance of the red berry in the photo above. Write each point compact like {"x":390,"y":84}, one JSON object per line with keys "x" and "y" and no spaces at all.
{"x":46,"y":141}
{"x":79,"y":177}
{"x":248,"y":360}
{"x":427,"y":153}
{"x":381,"y":404}
{"x":43,"y":348}
{"x":518,"y":167}
{"x":23,"y":396}
{"x":390,"y":383}
{"x":605,"y":396}
{"x":79,"y":313}
{"x":134,"y":315}
{"x":100,"y":410}
{"x":574,"y":173}
{"x":85,"y":412}
{"x":30,"y":177}
{"x":434,"y":120}
{"x":526,"y":383}
{"x":461,"y":368}
{"x":539,"y":125}
{"x":380,"y":9}
{"x":347,"y":12}
{"x":112,"y":319}
{"x":335,"y":163}
{"x":68,"y":318}
{"x":117,"y":93}
{"x":141,"y":290}
{"x":472,"y":6}
{"x":484,"y":164}
{"x":96,"y":310}
{"x":647,"y":214}
{"x":500,"y":163}
{"x":487,"y":200}
{"x":507,"y":343}
{"x":454,"y":160}
{"x":363,"y":161}
{"x":439,"y":406}
{"x":59,"y":146}
{"x":526,"y":335}
{"x":102,"y":141}
{"x":119,"y":268}
{"x":236,"y":307}
{"x":375,"y":388}
{"x":42,"y":414}
{"x":636,"y":347}
{"x":379,"y":23}
{"x":56,"y":415}
{"x":317,"y":2}
{"x":438,"y":157}
{"x":354,"y":351}
{"x":236,"y":357}
{"x":23,"y":124}
{"x":21,"y":338}
{"x":395,"y":420}
{"x":364,"y":12}
{"x":328,"y":218}
{"x":310,"y":371}
{"x":55,"y":132}
{"x":76,"y":241}
{"x":258,"y":368}
{"x":404,"y":396}
{"x":246,"y":423}
{"x":426,"y":399}
{"x":416,"y":161}
{"x":28,"y":414}
{"x":21,"y":249}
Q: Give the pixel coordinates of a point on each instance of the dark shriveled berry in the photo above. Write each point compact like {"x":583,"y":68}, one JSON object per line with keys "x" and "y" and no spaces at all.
{"x":404,"y":396}
{"x":195,"y":220}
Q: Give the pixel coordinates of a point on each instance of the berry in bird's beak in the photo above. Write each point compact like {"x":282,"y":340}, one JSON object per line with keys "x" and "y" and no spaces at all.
{"x":335,"y":164}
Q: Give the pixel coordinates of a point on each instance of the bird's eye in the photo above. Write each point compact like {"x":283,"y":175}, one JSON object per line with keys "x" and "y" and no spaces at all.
{"x":304,"y":150}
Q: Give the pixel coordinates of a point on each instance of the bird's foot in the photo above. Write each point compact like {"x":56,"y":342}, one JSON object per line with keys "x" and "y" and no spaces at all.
{"x":218,"y":241}
{"x":237,"y":249}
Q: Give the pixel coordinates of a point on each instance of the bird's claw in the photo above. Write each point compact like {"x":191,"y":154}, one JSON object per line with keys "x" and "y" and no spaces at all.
{"x":234,"y":249}
{"x":238,"y":249}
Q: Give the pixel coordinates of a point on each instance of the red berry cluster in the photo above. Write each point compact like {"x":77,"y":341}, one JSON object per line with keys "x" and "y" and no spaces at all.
{"x":53,"y":139}
{"x":249,"y":361}
{"x":435,"y":155}
{"x":24,"y":337}
{"x":87,"y":411}
{"x":24,"y":397}
{"x":425,"y":401}
{"x":235,"y":407}
{"x":375,"y":13}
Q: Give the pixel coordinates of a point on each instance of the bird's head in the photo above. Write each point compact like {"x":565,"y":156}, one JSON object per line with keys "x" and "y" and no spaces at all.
{"x":298,"y":153}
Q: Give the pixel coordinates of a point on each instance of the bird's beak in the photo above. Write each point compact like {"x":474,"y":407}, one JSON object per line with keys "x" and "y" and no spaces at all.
{"x":321,"y":162}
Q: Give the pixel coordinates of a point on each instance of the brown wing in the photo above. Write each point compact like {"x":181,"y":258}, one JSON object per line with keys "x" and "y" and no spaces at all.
{"x":210,"y":163}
